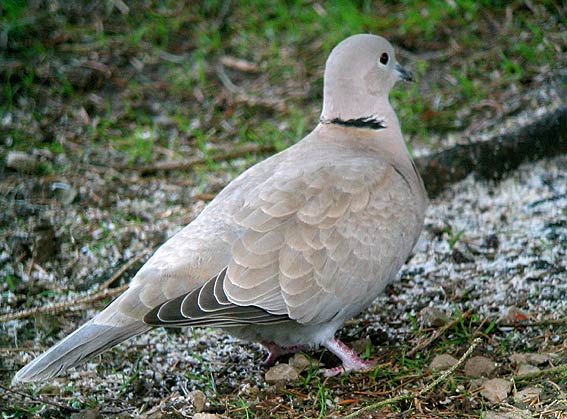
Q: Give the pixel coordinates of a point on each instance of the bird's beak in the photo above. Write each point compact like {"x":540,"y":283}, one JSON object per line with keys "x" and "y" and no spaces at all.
{"x":404,"y":74}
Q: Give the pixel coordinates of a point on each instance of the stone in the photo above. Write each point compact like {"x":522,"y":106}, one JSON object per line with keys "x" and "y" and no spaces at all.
{"x":281,"y":373}
{"x":359,"y":346}
{"x":515,"y":414}
{"x":526,"y":369}
{"x":460,"y":257}
{"x":531,"y":358}
{"x":479,"y":366}
{"x":206,"y":416}
{"x":433,"y":317}
{"x":199,"y":400}
{"x":22,"y":162}
{"x":496,"y":390}
{"x":87,"y":414}
{"x":63,"y":192}
{"x":494,"y":415}
{"x":442,"y":362}
{"x":476,"y":383}
{"x":46,"y":244}
{"x":492,"y":241}
{"x":301,"y":362}
{"x":515,"y":315}
{"x":527,"y":395}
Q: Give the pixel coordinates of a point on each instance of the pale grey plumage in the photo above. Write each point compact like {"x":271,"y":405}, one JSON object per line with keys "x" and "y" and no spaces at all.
{"x":296,"y":244}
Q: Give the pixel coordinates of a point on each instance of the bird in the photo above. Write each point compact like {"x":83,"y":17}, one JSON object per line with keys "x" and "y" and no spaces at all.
{"x":295,"y":245}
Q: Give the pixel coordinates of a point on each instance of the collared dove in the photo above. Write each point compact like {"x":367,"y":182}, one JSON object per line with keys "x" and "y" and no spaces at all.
{"x":295,"y":245}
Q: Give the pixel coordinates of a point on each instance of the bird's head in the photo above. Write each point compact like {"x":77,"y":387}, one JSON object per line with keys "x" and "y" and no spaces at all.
{"x":359,"y":74}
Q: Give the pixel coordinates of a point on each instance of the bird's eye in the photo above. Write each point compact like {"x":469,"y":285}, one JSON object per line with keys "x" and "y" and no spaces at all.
{"x":384,"y":58}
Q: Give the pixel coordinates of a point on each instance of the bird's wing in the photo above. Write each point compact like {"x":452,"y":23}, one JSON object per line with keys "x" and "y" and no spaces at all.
{"x":208,"y":305}
{"x":314,"y":242}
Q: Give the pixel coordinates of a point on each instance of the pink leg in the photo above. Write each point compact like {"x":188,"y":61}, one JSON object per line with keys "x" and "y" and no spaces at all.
{"x":351,"y":361}
{"x":275,"y":351}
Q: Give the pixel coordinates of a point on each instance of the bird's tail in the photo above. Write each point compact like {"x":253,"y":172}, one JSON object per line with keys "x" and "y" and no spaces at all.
{"x":89,"y":340}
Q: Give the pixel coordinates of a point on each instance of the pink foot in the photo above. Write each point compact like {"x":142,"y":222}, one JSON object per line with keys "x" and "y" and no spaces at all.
{"x":275,"y":351}
{"x":351,"y":361}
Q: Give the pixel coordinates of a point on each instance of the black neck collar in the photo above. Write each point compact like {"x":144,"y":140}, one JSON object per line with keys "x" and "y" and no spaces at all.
{"x":368,"y":122}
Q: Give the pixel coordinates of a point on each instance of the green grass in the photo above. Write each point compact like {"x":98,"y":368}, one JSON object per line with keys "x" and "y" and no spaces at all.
{"x":138,"y":145}
{"x":244,"y":406}
{"x":260,"y":31}
{"x":323,"y":394}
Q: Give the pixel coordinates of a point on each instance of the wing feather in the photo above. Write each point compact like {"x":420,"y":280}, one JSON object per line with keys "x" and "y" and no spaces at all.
{"x":331,"y":243}
{"x":202,"y":307}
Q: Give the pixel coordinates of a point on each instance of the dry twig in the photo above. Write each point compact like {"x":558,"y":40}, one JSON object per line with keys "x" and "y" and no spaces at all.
{"x":240,"y":95}
{"x":123,"y":269}
{"x":189,"y":163}
{"x":58,"y":307}
{"x":425,"y":343}
{"x":548,"y":371}
{"x":37,"y":399}
{"x":239,"y":64}
{"x":429,"y":387}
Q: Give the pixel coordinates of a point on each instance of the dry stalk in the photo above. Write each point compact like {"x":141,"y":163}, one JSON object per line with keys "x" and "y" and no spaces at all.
{"x":58,"y":307}
{"x":422,"y":392}
{"x":103,"y":292}
{"x":425,"y":343}
{"x":123,"y":269}
{"x":189,"y":163}
{"x":537,"y":374}
{"x":38,"y":399}
{"x":239,"y":64}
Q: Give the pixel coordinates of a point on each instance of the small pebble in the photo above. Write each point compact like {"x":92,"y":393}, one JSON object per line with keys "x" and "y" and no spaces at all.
{"x":442,"y":362}
{"x":527,"y":395}
{"x":87,"y":414}
{"x":496,"y":390}
{"x":494,"y":415}
{"x":526,"y":369}
{"x":63,"y":192}
{"x":22,"y":162}
{"x":531,"y":358}
{"x":359,"y":346}
{"x":460,"y":257}
{"x":479,"y":366}
{"x":433,"y":317}
{"x":199,"y":400}
{"x":281,"y":373}
{"x":206,"y":416}
{"x":515,"y":414}
{"x":301,"y":362}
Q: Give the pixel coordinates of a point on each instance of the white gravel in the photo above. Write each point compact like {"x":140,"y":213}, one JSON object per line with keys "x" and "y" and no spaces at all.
{"x":510,"y":247}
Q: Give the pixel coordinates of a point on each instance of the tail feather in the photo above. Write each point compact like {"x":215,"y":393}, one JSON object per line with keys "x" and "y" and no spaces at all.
{"x":89,"y":340}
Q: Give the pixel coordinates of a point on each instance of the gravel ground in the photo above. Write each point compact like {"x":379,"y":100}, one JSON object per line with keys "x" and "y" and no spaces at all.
{"x":496,"y":249}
